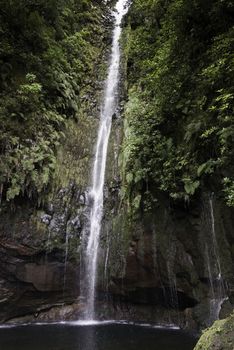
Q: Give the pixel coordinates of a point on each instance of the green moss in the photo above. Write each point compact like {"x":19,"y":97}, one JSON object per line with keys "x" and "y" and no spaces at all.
{"x":218,"y":337}
{"x":73,"y":159}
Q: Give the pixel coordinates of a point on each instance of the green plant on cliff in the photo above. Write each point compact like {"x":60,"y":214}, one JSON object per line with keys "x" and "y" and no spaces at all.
{"x":47,"y":51}
{"x":179,"y":126}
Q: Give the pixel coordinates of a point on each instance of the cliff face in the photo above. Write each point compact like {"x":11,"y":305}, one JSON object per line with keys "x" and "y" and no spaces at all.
{"x":42,"y":203}
{"x":166,"y":265}
{"x":166,"y":250}
{"x":176,"y":214}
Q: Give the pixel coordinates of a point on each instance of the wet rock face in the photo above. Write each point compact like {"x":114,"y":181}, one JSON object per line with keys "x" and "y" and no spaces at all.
{"x":27,"y":288}
{"x":35,"y":272}
{"x":177,"y":258}
{"x":29,"y":283}
{"x":44,"y":277}
{"x":158,"y":269}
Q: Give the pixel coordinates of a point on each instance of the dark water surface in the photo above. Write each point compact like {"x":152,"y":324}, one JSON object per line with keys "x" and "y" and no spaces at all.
{"x":93,"y":337}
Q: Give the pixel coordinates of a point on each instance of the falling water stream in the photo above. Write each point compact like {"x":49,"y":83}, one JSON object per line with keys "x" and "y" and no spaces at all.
{"x":108,"y":109}
{"x":218,"y":288}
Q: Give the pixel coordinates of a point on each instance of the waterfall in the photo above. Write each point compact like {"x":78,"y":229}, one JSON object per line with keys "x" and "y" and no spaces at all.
{"x":108,"y":109}
{"x":212,"y":258}
{"x":214,"y":239}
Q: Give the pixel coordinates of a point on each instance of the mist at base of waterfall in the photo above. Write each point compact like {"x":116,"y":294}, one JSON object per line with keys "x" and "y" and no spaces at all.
{"x":94,"y":337}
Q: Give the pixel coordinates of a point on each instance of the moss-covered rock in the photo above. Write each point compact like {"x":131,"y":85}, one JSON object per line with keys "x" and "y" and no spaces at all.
{"x":218,"y":337}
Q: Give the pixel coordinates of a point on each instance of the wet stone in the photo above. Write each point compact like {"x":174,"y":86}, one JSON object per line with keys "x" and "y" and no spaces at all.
{"x":46,"y":219}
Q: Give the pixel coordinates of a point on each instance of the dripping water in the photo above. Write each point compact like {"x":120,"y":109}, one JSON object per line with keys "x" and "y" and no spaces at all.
{"x":217,"y":286}
{"x":108,"y":109}
{"x":106,"y":263}
{"x":65,"y":261}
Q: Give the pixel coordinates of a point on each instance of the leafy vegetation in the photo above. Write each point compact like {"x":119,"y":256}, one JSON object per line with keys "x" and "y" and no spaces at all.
{"x":179,"y":128}
{"x":47,"y":54}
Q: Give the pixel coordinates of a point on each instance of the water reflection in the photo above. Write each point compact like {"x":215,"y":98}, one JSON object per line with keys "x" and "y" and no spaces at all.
{"x":88,"y":339}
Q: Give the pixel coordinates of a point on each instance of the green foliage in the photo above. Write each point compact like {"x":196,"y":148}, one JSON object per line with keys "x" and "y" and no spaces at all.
{"x":47,"y":52}
{"x":229,"y":190}
{"x":190,"y":186}
{"x":179,"y":126}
